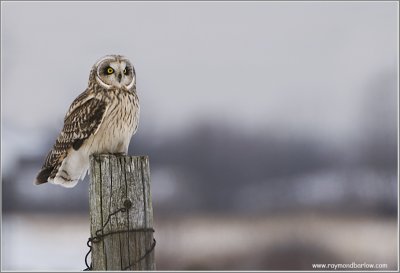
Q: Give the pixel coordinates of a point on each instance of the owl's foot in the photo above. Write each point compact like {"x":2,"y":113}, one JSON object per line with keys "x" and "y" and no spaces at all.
{"x":120,"y":154}
{"x":105,"y":153}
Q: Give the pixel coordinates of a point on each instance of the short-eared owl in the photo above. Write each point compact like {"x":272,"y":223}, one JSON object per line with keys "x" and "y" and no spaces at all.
{"x":100,"y":120}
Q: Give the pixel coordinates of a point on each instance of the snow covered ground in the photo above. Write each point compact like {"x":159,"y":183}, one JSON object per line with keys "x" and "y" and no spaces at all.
{"x":51,"y":242}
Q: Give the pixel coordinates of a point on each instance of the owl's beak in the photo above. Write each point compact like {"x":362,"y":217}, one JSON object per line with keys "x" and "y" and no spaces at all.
{"x":119,"y":77}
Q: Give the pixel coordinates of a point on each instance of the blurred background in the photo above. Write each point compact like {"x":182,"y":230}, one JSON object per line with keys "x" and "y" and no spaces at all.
{"x":271,"y":129}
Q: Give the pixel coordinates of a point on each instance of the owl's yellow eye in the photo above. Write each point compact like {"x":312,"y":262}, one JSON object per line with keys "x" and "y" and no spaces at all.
{"x":125,"y":71}
{"x":110,"y":70}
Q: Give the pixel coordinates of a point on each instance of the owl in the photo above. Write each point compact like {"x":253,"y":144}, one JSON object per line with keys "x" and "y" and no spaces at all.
{"x":102,"y":119}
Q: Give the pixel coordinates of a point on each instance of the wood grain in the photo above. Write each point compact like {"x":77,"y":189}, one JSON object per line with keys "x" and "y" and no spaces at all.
{"x":116,"y":179}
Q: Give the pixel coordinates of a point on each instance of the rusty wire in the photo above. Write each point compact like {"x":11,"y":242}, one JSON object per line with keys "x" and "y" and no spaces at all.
{"x":99,"y":236}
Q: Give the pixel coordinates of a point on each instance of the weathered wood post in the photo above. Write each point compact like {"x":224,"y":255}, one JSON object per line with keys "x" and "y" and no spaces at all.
{"x":121,"y":213}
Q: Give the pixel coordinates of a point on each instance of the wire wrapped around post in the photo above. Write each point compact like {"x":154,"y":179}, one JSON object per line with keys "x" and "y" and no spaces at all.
{"x":100,"y":235}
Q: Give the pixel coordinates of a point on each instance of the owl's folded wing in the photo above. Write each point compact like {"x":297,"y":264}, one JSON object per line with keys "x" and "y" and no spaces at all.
{"x":82,"y":120}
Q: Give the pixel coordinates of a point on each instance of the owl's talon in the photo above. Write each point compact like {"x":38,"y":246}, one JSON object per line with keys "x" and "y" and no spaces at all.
{"x":120,"y":154}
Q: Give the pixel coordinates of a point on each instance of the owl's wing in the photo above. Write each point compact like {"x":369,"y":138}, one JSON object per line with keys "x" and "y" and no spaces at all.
{"x":81,"y":121}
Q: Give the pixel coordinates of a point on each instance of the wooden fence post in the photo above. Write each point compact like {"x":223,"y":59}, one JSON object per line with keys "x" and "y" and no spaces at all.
{"x":121,"y":213}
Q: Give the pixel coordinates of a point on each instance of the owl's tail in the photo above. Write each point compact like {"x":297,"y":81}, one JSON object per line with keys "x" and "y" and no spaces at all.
{"x":43,"y":175}
{"x":67,"y":173}
{"x":73,"y":168}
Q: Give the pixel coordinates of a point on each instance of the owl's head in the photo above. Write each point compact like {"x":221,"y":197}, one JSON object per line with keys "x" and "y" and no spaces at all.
{"x":114,"y":71}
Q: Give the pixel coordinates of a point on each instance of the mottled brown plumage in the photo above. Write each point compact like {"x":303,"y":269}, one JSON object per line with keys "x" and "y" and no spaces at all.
{"x":100,"y":120}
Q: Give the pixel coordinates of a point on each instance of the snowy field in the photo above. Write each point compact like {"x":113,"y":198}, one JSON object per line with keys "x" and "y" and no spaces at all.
{"x":51,"y":242}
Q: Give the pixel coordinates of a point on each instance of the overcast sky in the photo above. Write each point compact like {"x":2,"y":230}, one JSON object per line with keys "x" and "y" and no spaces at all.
{"x":296,"y":65}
